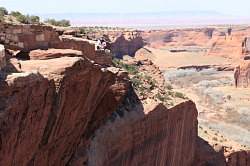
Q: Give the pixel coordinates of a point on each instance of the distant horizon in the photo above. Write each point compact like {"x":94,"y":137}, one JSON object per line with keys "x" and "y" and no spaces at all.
{"x":143,"y":13}
{"x":225,"y":7}
{"x":148,"y":19}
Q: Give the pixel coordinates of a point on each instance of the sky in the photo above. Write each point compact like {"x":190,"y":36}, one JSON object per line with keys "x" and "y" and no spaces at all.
{"x":227,"y":7}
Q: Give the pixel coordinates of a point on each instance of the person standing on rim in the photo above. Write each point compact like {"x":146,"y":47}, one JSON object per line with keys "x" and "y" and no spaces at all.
{"x":236,"y":75}
{"x":229,"y":32}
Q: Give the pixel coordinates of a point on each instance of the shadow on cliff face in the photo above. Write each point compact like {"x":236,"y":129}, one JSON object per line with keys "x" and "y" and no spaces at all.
{"x":60,"y":113}
{"x":129,"y":136}
{"x":123,"y":46}
{"x":206,"y":155}
{"x":8,"y":69}
{"x":23,"y":55}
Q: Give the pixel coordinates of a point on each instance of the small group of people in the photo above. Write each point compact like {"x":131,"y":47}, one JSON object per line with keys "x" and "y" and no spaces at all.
{"x":101,"y":44}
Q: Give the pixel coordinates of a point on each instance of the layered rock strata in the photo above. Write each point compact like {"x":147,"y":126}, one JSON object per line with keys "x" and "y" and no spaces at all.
{"x":244,"y":74}
{"x":32,"y":37}
{"x":61,"y":111}
{"x":45,"y":116}
{"x":162,"y":137}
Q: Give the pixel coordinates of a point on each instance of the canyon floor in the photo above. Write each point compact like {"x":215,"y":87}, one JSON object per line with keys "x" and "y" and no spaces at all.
{"x":224,"y":113}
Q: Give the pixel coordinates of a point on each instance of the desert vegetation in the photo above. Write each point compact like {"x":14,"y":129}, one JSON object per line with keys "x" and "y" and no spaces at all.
{"x":3,"y":12}
{"x":60,"y":23}
{"x":18,"y":16}
{"x":147,"y":87}
{"x":25,"y":19}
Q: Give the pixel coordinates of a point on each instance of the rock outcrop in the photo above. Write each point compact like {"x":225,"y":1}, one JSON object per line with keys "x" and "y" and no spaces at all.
{"x":241,"y":158}
{"x":162,"y":137}
{"x":87,"y":47}
{"x":61,"y":111}
{"x":246,"y":46}
{"x":27,"y":37}
{"x":63,"y":106}
{"x":53,"y":53}
{"x":31,"y":37}
{"x":208,"y":155}
{"x":122,"y":46}
{"x":244,"y":74}
{"x":45,"y":116}
{"x":2,"y":57}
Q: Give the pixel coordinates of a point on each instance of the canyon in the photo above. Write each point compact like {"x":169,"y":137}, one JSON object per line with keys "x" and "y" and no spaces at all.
{"x":65,"y":102}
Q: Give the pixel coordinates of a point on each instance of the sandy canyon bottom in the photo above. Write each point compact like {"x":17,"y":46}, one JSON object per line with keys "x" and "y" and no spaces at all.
{"x":224,"y":113}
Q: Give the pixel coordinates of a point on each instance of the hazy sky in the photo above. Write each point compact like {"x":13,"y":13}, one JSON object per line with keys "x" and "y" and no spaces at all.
{"x":229,"y":7}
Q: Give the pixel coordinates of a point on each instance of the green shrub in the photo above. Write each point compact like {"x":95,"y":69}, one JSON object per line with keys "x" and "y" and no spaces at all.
{"x":22,"y":19}
{"x":131,"y":69}
{"x":152,"y":82}
{"x":163,"y":97}
{"x":33,"y":19}
{"x":169,"y":87}
{"x":3,"y":11}
{"x":180,"y":95}
{"x":61,"y":23}
{"x":82,"y":30}
{"x":1,"y":18}
{"x":25,"y":19}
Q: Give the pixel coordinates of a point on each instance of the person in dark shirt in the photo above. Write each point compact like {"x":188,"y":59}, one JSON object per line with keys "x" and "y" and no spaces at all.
{"x":236,"y":75}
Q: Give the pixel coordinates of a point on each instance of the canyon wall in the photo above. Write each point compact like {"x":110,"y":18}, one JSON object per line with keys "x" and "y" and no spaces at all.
{"x":65,"y":114}
{"x":45,"y":115}
{"x":244,"y":75}
{"x":241,"y":158}
{"x":31,"y":37}
{"x":27,"y":37}
{"x":87,"y":47}
{"x":123,"y":46}
{"x":162,"y":137}
{"x":65,"y":108}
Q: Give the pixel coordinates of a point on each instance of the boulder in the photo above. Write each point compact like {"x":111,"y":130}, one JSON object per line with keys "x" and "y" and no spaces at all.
{"x":53,"y":53}
{"x":123,"y":46}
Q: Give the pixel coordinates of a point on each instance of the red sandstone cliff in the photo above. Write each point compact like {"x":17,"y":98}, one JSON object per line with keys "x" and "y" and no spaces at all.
{"x":239,"y":159}
{"x":244,"y":74}
{"x":44,"y":117}
{"x":123,"y":46}
{"x":53,"y":118}
{"x":26,"y":38}
{"x":62,"y":109}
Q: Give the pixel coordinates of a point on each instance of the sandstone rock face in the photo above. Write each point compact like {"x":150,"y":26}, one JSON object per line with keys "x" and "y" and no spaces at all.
{"x":246,"y":46}
{"x":207,"y":155}
{"x":162,"y":137}
{"x":239,"y":159}
{"x":244,"y":77}
{"x":31,"y":37}
{"x":122,"y":46}
{"x":2,"y":57}
{"x":53,"y":53}
{"x":61,"y":108}
{"x":27,"y":37}
{"x":63,"y":111}
{"x":45,"y":117}
{"x":87,"y":47}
